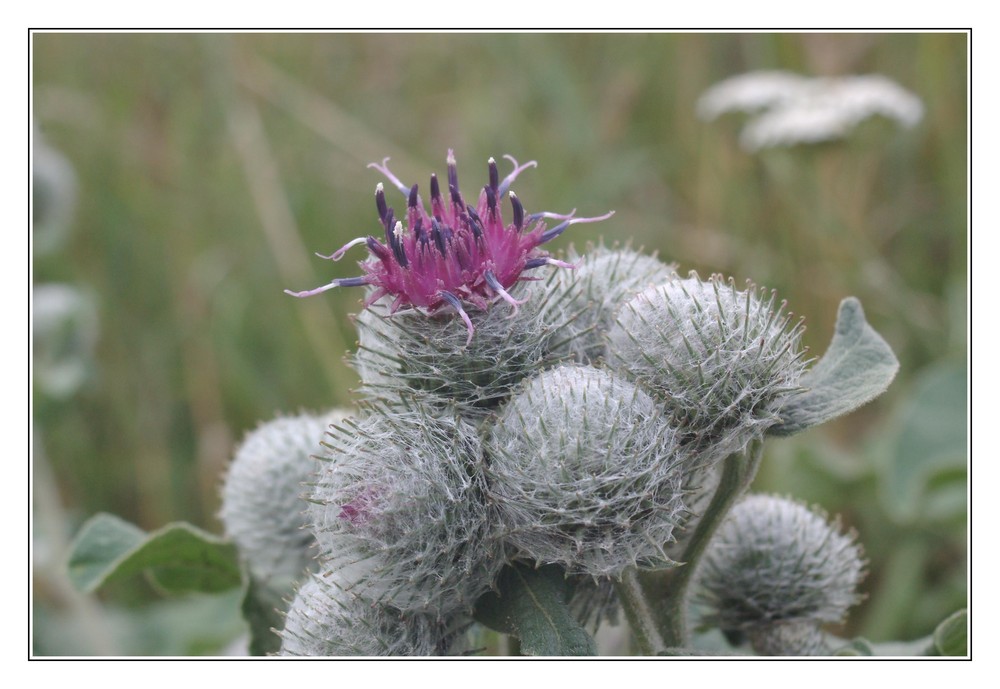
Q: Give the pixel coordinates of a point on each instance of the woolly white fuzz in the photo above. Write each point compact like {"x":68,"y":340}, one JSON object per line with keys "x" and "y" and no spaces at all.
{"x":584,"y":471}
{"x":399,"y":513}
{"x":262,"y":506}
{"x":776,"y":569}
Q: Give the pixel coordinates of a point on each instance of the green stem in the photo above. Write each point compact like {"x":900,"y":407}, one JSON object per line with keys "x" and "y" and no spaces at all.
{"x":641,"y":617}
{"x":655,"y":601}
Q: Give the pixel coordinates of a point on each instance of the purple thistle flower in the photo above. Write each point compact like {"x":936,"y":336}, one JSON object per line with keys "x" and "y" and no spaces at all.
{"x":456,"y":253}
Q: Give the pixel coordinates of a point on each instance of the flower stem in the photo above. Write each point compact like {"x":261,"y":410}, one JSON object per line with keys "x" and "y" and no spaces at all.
{"x":655,"y":601}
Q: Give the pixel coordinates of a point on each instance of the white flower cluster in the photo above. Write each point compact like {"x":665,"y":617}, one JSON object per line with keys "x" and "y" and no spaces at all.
{"x":791,"y":109}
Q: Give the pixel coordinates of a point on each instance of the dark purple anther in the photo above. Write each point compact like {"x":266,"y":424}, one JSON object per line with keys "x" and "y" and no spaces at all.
{"x":515,"y":204}
{"x":389,"y":220}
{"x":462,"y":254}
{"x":412,"y":201}
{"x":494,"y":175}
{"x":377,"y":249}
{"x":549,"y":235}
{"x":380,"y":202}
{"x":352,"y":282}
{"x":491,"y":200}
{"x":437,"y":204}
{"x":438,"y":237}
{"x":396,"y":244}
{"x":474,"y":222}
{"x":456,"y":198}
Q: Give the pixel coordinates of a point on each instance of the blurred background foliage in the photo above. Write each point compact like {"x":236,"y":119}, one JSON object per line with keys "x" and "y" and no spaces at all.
{"x":207,"y":169}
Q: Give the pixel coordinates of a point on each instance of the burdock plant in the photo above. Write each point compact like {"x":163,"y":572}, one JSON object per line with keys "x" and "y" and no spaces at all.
{"x":543,"y":444}
{"x":531,"y":442}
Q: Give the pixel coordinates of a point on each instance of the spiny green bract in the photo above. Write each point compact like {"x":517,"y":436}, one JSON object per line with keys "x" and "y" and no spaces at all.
{"x":722,"y":359}
{"x":399,"y":513}
{"x":411,"y":353}
{"x":793,"y":638}
{"x":584,"y":471}
{"x":588,"y":297}
{"x":325,"y":619}
{"x":262,"y":506}
{"x":776,"y":569}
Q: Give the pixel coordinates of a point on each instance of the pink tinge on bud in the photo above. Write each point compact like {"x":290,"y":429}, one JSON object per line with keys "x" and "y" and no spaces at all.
{"x":357,"y":510}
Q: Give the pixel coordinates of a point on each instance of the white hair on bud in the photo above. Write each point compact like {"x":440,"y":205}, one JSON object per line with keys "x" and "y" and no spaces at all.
{"x":325,"y":619}
{"x":778,"y":570}
{"x":399,"y":514}
{"x":262,"y":506}
{"x":412,"y":354}
{"x":722,"y":359}
{"x":584,"y":471}
{"x":585,"y":300}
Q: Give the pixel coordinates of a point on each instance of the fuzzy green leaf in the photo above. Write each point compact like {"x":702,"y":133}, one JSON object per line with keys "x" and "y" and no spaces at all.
{"x":930,"y":441}
{"x":179,"y":557}
{"x":531,"y":605}
{"x":951,"y":636}
{"x":856,"y":647}
{"x":857,"y":367}
{"x":104,"y":539}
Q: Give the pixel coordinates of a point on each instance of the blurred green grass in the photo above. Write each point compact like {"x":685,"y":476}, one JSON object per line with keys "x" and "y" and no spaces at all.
{"x":210,"y":167}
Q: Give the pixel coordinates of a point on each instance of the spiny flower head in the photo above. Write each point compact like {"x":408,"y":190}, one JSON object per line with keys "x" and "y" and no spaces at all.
{"x":398,"y":513}
{"x":454,"y":253}
{"x":584,"y":471}
{"x":327,"y":619}
{"x":722,"y":359}
{"x":774,"y":569}
{"x":262,"y":505}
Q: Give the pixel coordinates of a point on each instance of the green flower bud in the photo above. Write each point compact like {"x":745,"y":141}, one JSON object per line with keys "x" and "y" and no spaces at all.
{"x":399,"y":513}
{"x":325,"y":619}
{"x":262,"y":505}
{"x":778,"y":570}
{"x":410,"y":353}
{"x":795,"y":638}
{"x":723,"y":360}
{"x":586,"y":299}
{"x":584,"y":471}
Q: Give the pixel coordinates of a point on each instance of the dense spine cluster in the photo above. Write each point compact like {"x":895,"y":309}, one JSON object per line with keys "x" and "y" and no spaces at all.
{"x":399,"y":514}
{"x":579,"y":426}
{"x":262,"y":507}
{"x":326,"y":619}
{"x":722,"y":359}
{"x":777,"y":571}
{"x":585,"y":472}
